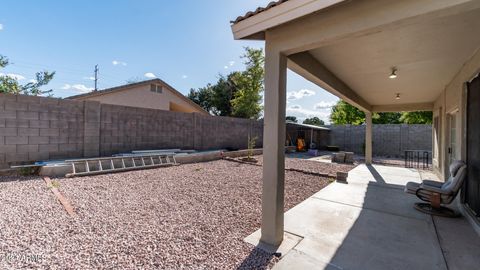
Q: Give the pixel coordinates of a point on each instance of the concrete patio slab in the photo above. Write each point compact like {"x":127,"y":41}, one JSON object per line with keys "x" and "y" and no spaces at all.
{"x":395,"y":177}
{"x":371,"y":224}
{"x":288,"y":243}
{"x":373,"y":197}
{"x":459,"y":242}
{"x":302,"y":261}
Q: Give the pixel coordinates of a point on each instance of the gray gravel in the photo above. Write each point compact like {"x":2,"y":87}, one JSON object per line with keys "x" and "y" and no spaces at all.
{"x":192,"y":216}
{"x":311,"y":166}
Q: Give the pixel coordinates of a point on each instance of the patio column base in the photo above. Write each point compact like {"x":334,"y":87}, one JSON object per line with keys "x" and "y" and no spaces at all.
{"x":288,"y":243}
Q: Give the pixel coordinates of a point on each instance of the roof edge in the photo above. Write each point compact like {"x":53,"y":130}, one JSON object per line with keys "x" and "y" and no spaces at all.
{"x":253,"y":24}
{"x":111,"y":90}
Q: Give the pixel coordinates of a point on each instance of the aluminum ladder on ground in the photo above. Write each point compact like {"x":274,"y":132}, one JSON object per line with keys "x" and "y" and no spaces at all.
{"x":94,"y":166}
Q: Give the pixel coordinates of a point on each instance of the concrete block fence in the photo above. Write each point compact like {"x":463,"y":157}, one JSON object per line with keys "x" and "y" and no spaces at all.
{"x":388,"y":140}
{"x":41,"y":128}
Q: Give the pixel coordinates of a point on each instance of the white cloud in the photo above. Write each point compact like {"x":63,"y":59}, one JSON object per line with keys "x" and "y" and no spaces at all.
{"x":149,"y":75}
{"x":225,"y":67}
{"x":301,"y":113}
{"x":17,"y":77}
{"x":324,"y":105}
{"x":117,"y":62}
{"x":184,"y":76}
{"x":78,"y":88}
{"x":231,"y":63}
{"x":32,"y":81}
{"x":1,"y":26}
{"x":295,"y":95}
{"x":91,"y":78}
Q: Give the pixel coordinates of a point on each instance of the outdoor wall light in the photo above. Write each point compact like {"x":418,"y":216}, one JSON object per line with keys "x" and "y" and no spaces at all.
{"x":393,"y":75}
{"x":397,"y":97}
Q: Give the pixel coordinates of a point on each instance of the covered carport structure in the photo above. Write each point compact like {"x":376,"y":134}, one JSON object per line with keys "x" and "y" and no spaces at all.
{"x":378,"y":55}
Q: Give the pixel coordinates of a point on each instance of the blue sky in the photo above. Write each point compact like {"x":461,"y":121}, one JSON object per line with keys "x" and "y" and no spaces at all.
{"x":187,"y":43}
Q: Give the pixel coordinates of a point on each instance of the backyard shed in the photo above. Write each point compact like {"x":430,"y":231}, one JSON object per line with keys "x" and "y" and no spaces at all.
{"x":319,"y":136}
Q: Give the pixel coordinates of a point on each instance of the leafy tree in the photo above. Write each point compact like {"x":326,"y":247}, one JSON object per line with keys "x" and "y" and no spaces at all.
{"x":292,"y":119}
{"x":386,"y":118}
{"x":246,"y":102}
{"x":420,"y":117}
{"x":343,"y":113}
{"x":314,"y":121}
{"x":223,"y":92}
{"x":237,"y":94}
{"x":203,"y":97}
{"x":11,"y":85}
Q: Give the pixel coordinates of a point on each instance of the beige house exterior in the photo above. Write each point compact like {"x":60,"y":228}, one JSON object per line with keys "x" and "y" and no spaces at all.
{"x":351,"y":49}
{"x":151,"y":94}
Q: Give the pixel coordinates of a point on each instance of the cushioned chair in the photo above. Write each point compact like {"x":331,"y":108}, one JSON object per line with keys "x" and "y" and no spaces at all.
{"x":437,"y":193}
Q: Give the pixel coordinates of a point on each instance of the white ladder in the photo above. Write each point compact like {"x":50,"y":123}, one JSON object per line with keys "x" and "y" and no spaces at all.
{"x":93,"y":166}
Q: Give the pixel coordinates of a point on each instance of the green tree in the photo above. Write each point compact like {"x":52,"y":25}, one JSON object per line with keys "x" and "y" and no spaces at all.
{"x":420,"y":117}
{"x":343,"y":113}
{"x":203,"y":97}
{"x":247,"y":98}
{"x":386,"y":118}
{"x":223,"y":92}
{"x":237,"y":94}
{"x":314,"y":121}
{"x":11,"y":85}
{"x":291,"y":118}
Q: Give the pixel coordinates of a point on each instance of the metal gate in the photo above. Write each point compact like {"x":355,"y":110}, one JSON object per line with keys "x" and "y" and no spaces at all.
{"x":472,"y":185}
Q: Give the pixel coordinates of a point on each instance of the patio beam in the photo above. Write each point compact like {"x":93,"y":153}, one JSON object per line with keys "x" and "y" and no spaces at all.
{"x":403,"y":107}
{"x":274,"y":145}
{"x":368,"y":138}
{"x":352,"y":19}
{"x":311,"y":69}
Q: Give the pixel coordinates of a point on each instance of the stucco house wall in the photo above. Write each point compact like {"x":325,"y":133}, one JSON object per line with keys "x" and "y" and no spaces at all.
{"x":453,"y":99}
{"x":140,"y":95}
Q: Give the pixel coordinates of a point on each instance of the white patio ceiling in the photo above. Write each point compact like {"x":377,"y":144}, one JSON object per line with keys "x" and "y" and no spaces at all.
{"x":427,"y":56}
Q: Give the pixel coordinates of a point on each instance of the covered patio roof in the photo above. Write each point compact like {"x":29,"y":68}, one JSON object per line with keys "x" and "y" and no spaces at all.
{"x":350,"y":48}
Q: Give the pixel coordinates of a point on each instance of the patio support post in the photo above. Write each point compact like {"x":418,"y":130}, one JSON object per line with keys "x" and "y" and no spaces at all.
{"x":273,"y":145}
{"x":368,"y":138}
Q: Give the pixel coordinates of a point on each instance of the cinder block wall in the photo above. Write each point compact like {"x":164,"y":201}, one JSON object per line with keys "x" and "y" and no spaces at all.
{"x":37,"y":128}
{"x":388,"y":140}
{"x":40,"y":128}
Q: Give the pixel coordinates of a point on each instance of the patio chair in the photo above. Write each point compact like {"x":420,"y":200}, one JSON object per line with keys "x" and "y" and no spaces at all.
{"x":437,"y":193}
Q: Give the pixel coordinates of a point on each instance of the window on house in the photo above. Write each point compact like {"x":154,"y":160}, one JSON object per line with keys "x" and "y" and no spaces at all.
{"x":156,"y":88}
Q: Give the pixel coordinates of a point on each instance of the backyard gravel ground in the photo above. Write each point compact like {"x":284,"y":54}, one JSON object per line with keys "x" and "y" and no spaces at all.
{"x":310,"y":166}
{"x":192,"y":216}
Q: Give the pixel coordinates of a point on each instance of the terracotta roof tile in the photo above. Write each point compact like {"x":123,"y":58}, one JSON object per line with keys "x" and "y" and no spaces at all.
{"x":258,"y":10}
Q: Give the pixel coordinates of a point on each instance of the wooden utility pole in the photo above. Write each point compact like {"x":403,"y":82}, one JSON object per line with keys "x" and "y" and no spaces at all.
{"x":96,"y":77}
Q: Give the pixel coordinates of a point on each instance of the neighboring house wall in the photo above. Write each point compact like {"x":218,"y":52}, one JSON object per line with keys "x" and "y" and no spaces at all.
{"x":40,"y":128}
{"x":141,"y":96}
{"x":453,"y":99}
{"x":388,"y":140}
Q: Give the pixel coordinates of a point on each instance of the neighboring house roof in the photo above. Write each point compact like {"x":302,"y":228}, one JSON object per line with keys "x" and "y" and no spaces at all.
{"x":133,"y":85}
{"x":306,"y":125}
{"x":258,"y":10}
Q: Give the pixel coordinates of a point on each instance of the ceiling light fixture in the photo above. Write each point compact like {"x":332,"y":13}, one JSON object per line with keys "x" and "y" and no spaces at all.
{"x":397,"y":97}
{"x":393,"y":75}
